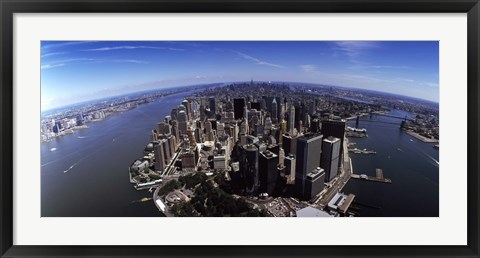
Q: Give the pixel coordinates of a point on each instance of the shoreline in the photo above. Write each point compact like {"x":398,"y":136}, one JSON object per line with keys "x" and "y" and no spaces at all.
{"x":421,"y":138}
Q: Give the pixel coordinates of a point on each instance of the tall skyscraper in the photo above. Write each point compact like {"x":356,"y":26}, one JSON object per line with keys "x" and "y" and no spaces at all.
{"x":211,"y":102}
{"x":182,"y":122}
{"x":159,"y":157}
{"x":290,"y":167}
{"x":309,"y":149}
{"x":249,"y":168}
{"x":330,"y":157}
{"x":175,"y":130}
{"x":335,"y":128}
{"x":314,"y":183}
{"x":238,"y":106}
{"x":164,"y":128}
{"x":291,"y":120}
{"x":268,"y":162}
{"x":289,"y":144}
{"x":188,"y":109}
{"x":274,"y":112}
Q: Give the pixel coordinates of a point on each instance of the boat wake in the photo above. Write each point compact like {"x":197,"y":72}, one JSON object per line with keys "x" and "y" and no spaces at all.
{"x":81,"y":137}
{"x":70,"y":168}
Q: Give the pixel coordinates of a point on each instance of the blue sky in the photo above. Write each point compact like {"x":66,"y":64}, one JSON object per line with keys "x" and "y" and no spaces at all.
{"x":77,"y":71}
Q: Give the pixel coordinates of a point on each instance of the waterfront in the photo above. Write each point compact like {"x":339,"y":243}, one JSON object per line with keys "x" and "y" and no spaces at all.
{"x":411,"y":164}
{"x":86,"y":175}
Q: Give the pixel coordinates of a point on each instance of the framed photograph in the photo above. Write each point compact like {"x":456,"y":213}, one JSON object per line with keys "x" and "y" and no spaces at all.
{"x":244,"y":128}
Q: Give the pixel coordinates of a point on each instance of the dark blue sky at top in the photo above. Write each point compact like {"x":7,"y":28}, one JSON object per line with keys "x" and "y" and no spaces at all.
{"x":77,"y":71}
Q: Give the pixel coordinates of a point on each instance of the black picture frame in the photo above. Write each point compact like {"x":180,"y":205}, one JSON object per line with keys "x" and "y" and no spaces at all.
{"x":9,"y":8}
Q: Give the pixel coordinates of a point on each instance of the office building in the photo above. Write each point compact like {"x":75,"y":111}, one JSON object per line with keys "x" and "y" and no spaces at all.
{"x":335,"y":128}
{"x":211,"y":104}
{"x":268,"y":162}
{"x":314,"y":183}
{"x":330,"y":157}
{"x":249,"y":169}
{"x":289,"y":144}
{"x":291,"y":120}
{"x":290,"y":167}
{"x":309,"y":149}
{"x":159,"y":155}
{"x":238,"y":108}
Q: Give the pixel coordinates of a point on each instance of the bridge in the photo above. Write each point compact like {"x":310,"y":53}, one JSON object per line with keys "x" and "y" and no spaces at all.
{"x":371,"y":114}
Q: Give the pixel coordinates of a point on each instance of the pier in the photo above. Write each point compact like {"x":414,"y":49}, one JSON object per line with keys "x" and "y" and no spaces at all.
{"x":377,"y":178}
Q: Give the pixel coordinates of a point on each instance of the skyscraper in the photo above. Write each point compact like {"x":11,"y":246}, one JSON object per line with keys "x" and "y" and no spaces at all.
{"x":274,"y":112}
{"x":290,"y":167}
{"x":211,"y":102}
{"x":182,"y":122}
{"x":164,"y":128}
{"x":291,"y":119}
{"x":314,"y":183}
{"x":330,"y":157}
{"x":238,"y":106}
{"x":289,"y":144}
{"x":335,"y":128}
{"x":159,"y":157}
{"x":249,"y":168}
{"x":309,"y":149}
{"x":268,"y":162}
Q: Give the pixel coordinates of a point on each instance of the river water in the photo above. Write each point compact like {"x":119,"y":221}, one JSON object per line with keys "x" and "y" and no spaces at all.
{"x":412,"y":166}
{"x":97,"y":185}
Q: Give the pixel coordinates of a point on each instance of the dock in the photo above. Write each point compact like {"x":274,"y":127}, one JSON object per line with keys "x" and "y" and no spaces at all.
{"x":377,"y":178}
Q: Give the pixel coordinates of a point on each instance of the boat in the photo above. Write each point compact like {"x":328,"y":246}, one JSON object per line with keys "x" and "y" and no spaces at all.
{"x":145,"y":199}
{"x":53,"y":149}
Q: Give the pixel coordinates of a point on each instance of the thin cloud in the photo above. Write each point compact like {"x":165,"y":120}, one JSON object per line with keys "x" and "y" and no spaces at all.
{"x":52,"y":54}
{"x":389,"y":66}
{"x":49,"y":66}
{"x":258,"y":61}
{"x":90,"y":61}
{"x":64,"y":44}
{"x":353,"y":49}
{"x":133,"y":47}
{"x":308,"y":68}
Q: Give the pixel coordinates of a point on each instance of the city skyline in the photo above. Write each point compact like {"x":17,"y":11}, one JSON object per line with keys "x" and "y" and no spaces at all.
{"x":74,"y":72}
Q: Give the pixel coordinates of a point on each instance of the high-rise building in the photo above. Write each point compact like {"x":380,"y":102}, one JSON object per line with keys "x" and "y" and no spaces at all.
{"x":249,"y":168}
{"x":330,"y":157}
{"x":188,"y":109}
{"x":274,"y":111}
{"x":255,"y":105}
{"x":182,"y":122}
{"x":290,"y":167}
{"x":159,"y":157}
{"x":166,"y":150}
{"x":175,"y":130}
{"x":238,"y":108}
{"x":291,"y":120}
{"x":315,"y":125}
{"x":289,"y":143}
{"x":309,"y":149}
{"x":335,"y":128}
{"x":171,"y":144}
{"x":268,"y":162}
{"x":211,"y":104}
{"x":314,"y":183}
{"x":164,"y":128}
